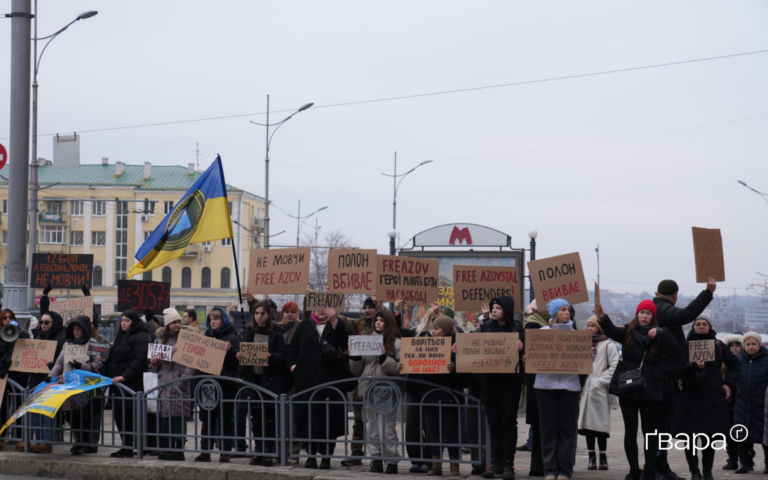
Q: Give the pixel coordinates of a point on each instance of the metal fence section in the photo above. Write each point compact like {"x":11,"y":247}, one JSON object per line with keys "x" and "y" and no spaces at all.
{"x":403,"y":419}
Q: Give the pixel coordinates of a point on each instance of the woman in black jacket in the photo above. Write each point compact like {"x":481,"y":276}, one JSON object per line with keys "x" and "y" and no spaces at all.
{"x":750,"y":400}
{"x":702,"y":409}
{"x":644,"y":346}
{"x":126,"y":364}
{"x":316,"y":356}
{"x":219,"y":326}
{"x":51,"y":328}
{"x":274,"y":377}
{"x":7,"y":317}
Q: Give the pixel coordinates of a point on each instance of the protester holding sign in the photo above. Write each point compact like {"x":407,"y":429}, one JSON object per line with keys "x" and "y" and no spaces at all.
{"x":750,"y":399}
{"x":595,"y":405}
{"x":78,"y":333}
{"x":316,"y":356}
{"x":174,"y":412}
{"x":7,"y":317}
{"x":219,"y":326}
{"x":501,"y":391}
{"x":645,"y":345}
{"x":535,"y":321}
{"x":289,"y":318}
{"x":126,"y":364}
{"x":98,"y":412}
{"x":275,"y":377}
{"x":380,"y":366}
{"x":703,"y":408}
{"x":734,"y":342}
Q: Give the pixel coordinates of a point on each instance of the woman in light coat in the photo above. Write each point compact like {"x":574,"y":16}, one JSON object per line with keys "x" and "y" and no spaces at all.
{"x":380,"y":366}
{"x":594,"y":408}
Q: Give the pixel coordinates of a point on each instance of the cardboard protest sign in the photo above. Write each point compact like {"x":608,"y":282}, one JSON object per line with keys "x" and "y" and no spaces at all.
{"x":366,"y":345}
{"x":283,"y":271}
{"x":558,"y":351}
{"x":559,"y":277}
{"x":162,"y":352}
{"x":701,"y":349}
{"x":61,"y":270}
{"x":140,"y":294}
{"x":708,"y":251}
{"x":254,"y":354}
{"x":425,"y":355}
{"x":3,"y":382}
{"x":486,"y":352}
{"x":319,"y":301}
{"x":32,"y":355}
{"x":200,"y":352}
{"x":352,"y":271}
{"x":413,"y":279}
{"x":76,"y":353}
{"x":476,"y":285}
{"x":96,"y":349}
{"x":71,"y":308}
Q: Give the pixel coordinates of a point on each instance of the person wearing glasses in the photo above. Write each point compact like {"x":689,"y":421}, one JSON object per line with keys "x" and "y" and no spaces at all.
{"x":7,"y":317}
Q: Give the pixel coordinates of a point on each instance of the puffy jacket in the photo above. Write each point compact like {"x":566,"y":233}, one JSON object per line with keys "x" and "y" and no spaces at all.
{"x":750,"y":393}
{"x":673,"y":318}
{"x":168,"y":372}
{"x":379,"y":366}
{"x":128,"y":356}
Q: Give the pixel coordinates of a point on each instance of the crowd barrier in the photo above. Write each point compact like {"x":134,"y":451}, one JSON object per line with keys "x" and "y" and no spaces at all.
{"x":205,"y":414}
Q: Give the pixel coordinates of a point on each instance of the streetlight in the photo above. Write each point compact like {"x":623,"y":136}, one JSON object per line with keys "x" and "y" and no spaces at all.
{"x":532,"y":235}
{"x":35,"y":166}
{"x":396,"y":185}
{"x":392,"y":234}
{"x":266,"y":163}
{"x":299,"y":219}
{"x":764,"y":196}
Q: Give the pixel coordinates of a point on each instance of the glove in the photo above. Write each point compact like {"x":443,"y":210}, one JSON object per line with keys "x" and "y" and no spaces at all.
{"x":47,"y":290}
{"x":75,"y":365}
{"x":86,"y":291}
{"x":382,"y":358}
{"x":450,"y":367}
{"x":50,"y":365}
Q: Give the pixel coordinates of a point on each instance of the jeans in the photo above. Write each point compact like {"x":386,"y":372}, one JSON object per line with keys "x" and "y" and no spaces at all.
{"x":44,"y":425}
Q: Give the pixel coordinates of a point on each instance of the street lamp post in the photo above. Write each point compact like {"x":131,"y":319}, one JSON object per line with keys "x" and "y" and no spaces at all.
{"x":396,"y":185}
{"x":764,"y":196}
{"x":266,"y":163}
{"x":300,"y":223}
{"x":34,"y":183}
{"x":532,"y":235}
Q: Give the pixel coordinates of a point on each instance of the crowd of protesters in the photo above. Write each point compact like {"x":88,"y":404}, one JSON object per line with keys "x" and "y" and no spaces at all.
{"x":671,"y":395}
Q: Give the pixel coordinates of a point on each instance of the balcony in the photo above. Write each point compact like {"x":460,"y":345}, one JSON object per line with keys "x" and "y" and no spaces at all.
{"x":258,"y":224}
{"x":50,"y":217}
{"x":192,"y":250}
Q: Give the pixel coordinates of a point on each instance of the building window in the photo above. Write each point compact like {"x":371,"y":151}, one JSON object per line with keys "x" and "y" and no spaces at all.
{"x":226,"y":242}
{"x":98,"y":239}
{"x":54,"y":207}
{"x":205,"y":278}
{"x":147,"y":276}
{"x":149,"y":207}
{"x":121,"y":240}
{"x":186,"y":277}
{"x":51,"y":234}
{"x":147,"y":233}
{"x":5,"y":207}
{"x":225,"y":277}
{"x":167,"y":207}
{"x":76,"y":238}
{"x":99,"y":208}
{"x":5,"y":237}
{"x":167,"y":275}
{"x":97,"y":281}
{"x":76,"y":208}
{"x":230,"y":208}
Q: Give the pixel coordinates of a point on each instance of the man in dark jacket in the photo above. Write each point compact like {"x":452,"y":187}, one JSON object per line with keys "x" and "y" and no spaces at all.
{"x":673,"y":319}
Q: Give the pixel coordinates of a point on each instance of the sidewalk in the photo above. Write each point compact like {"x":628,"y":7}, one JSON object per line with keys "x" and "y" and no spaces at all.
{"x":99,"y":466}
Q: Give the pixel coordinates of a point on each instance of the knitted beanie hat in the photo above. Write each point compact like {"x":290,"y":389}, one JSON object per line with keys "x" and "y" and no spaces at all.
{"x":555,"y":305}
{"x":647,"y":305}
{"x":444,"y":323}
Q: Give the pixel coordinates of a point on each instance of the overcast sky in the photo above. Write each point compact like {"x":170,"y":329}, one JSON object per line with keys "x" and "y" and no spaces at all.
{"x":629,"y":160}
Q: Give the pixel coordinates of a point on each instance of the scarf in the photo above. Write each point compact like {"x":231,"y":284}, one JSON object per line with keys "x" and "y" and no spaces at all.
{"x":597,"y":339}
{"x":318,"y":320}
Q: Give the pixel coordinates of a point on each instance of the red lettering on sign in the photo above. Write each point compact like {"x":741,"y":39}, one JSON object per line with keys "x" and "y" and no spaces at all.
{"x":457,"y":235}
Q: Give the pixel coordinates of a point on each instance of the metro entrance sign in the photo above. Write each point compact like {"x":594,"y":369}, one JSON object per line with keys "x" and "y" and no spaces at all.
{"x":461,"y":235}
{"x":3,"y":156}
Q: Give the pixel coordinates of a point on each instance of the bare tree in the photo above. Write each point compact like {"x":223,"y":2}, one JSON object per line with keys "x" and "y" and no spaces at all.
{"x":318,"y":274}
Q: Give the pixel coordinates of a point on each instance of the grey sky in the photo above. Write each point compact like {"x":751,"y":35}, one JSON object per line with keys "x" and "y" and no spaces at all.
{"x":578,"y":160}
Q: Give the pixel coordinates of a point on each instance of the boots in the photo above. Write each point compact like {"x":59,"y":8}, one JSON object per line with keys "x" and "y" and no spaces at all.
{"x":454,"y":468}
{"x":175,"y":456}
{"x":634,"y":474}
{"x":20,"y":447}
{"x":509,"y":471}
{"x":603,"y":461}
{"x":592,"y":461}
{"x":437,"y":468}
{"x":746,"y":463}
{"x":377,"y":466}
{"x":496,"y":468}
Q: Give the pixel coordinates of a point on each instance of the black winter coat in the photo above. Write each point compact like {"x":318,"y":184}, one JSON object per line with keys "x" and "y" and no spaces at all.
{"x":231,"y":365}
{"x":312,"y":368}
{"x":750,"y":393}
{"x":505,"y":380}
{"x":55,"y":334}
{"x":531,"y":403}
{"x":276,"y":377}
{"x":129,"y":360}
{"x":673,"y":318}
{"x":702,"y":407}
{"x":632,"y":357}
{"x":6,"y":354}
{"x":453,"y":380}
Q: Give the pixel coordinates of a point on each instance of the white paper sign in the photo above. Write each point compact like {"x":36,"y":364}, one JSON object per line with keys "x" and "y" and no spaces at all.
{"x":162,"y":352}
{"x":366,"y":345}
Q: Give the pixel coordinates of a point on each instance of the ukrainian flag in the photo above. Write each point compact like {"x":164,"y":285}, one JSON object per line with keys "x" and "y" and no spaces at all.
{"x":202,"y":215}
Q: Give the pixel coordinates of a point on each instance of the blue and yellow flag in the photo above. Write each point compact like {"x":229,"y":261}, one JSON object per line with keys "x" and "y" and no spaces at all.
{"x":47,"y":398}
{"x":202,"y":215}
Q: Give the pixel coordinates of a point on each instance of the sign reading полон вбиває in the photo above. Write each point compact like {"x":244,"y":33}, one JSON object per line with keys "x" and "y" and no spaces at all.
{"x":559,"y":277}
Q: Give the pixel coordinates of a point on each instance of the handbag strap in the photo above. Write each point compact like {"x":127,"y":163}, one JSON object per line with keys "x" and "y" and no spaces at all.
{"x":643,"y":360}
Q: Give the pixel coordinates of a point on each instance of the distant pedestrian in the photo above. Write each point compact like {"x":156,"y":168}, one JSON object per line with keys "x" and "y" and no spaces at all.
{"x":750,"y":400}
{"x":734,"y":342}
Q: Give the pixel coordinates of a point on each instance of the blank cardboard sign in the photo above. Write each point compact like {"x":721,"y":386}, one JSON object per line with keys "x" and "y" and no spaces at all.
{"x":708,"y":250}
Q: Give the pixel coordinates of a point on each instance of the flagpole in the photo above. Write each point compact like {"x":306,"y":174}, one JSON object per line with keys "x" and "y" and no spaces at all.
{"x":237,"y":275}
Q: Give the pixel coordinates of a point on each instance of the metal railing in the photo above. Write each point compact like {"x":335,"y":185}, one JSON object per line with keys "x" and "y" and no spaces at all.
{"x":205,"y":413}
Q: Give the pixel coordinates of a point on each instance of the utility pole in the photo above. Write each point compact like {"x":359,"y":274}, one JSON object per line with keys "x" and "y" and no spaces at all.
{"x":21,"y":33}
{"x":197,"y":154}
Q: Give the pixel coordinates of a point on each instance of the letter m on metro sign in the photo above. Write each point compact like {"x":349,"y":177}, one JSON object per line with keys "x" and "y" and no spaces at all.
{"x":459,"y":235}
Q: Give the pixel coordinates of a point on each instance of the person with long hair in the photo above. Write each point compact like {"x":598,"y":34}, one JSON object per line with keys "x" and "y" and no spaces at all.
{"x":98,"y":411}
{"x":644,"y":346}
{"x":289,"y":318}
{"x":126,"y":364}
{"x":380,"y":443}
{"x":51,"y":328}
{"x":172,"y":410}
{"x":750,"y":400}
{"x":734,"y":342}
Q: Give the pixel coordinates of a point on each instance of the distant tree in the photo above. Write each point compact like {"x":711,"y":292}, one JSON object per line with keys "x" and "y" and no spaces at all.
{"x":318,"y":273}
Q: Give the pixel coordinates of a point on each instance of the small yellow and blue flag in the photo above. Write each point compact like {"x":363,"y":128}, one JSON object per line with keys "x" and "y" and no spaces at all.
{"x":202,"y":215}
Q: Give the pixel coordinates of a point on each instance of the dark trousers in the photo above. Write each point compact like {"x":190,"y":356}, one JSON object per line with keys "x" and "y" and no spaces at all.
{"x":537,"y":464}
{"x":664,"y":419}
{"x":263,"y":425}
{"x":558,"y":418}
{"x":475,"y":427}
{"x":501,"y":403}
{"x":602,"y":441}
{"x":443,"y":420}
{"x":648,"y":411}
{"x":731,"y":445}
{"x":122,"y":411}
{"x":153,"y":426}
{"x":707,"y":460}
{"x":747,"y":452}
{"x":81,"y":424}
{"x":416,"y":428}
